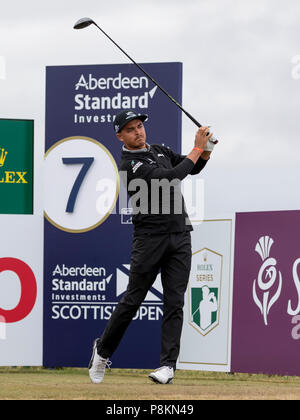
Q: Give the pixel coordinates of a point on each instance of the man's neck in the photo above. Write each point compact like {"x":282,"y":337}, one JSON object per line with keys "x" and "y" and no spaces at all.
{"x":144,"y":149}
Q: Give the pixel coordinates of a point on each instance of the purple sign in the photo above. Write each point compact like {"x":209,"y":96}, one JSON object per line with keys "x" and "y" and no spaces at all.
{"x":266,"y":300}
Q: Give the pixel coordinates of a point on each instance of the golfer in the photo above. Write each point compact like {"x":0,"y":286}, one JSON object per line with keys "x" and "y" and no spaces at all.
{"x":161,"y":239}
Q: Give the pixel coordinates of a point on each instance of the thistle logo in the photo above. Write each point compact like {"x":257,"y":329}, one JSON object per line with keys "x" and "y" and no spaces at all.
{"x":205,"y":290}
{"x":3,"y":154}
{"x":267,"y":288}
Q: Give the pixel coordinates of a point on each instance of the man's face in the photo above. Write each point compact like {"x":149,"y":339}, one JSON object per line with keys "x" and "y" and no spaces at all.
{"x":133,"y":135}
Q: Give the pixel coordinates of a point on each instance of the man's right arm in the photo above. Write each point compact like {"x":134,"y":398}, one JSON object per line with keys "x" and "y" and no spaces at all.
{"x":144,"y":170}
{"x":147,"y":171}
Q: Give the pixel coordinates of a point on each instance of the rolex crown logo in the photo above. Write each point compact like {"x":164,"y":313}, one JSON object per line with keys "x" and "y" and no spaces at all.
{"x":3,"y":155}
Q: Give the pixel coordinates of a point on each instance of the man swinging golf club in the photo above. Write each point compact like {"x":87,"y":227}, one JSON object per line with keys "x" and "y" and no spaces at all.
{"x":161,"y":241}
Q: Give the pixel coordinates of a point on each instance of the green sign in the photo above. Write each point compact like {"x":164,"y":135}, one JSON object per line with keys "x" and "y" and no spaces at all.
{"x":16,"y":166}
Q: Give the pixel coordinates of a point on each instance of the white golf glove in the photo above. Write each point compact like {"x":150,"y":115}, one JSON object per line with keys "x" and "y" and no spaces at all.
{"x":211,"y":144}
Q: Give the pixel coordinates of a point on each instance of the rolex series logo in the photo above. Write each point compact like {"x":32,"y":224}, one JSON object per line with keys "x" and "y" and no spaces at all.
{"x":3,"y":154}
{"x":10,"y":177}
{"x":16,"y":166}
{"x":205,"y":290}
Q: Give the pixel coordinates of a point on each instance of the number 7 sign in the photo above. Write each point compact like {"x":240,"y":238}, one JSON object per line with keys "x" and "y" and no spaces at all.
{"x":86,"y":164}
{"x":71,"y":193}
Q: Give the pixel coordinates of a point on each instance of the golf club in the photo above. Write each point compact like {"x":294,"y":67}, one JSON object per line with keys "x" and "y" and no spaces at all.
{"x":84,"y":22}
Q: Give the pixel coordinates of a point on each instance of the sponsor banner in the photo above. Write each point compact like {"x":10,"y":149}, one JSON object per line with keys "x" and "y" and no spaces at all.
{"x":88,"y":225}
{"x":21,"y":311}
{"x":205,"y":343}
{"x":266,"y":302}
{"x":16,"y":166}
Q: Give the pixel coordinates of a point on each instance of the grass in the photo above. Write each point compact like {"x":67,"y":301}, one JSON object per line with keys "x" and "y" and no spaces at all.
{"x":37,"y":383}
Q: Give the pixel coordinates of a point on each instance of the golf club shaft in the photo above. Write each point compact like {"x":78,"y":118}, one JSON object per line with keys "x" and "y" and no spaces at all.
{"x":151,"y":78}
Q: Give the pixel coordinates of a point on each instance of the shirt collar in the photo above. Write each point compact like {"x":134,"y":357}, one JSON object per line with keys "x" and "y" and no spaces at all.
{"x":146,"y":149}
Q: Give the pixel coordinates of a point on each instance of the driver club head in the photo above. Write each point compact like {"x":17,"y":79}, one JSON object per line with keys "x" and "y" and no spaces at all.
{"x":83,"y":23}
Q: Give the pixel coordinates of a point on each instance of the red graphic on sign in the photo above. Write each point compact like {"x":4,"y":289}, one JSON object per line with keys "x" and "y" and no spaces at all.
{"x":28,"y":289}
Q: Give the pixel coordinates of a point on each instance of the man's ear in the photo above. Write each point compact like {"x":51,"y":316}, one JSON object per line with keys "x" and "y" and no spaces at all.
{"x":119,"y":135}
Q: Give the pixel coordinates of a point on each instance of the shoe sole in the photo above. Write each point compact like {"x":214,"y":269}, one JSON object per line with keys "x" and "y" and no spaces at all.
{"x":170,"y":381}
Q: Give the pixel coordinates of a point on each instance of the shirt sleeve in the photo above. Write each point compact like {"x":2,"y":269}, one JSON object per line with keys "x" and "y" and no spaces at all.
{"x":177,"y":159}
{"x":144,"y":170}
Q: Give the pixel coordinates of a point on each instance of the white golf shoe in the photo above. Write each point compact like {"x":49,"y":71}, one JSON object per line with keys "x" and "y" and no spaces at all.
{"x":97,"y":366}
{"x":162,"y":375}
